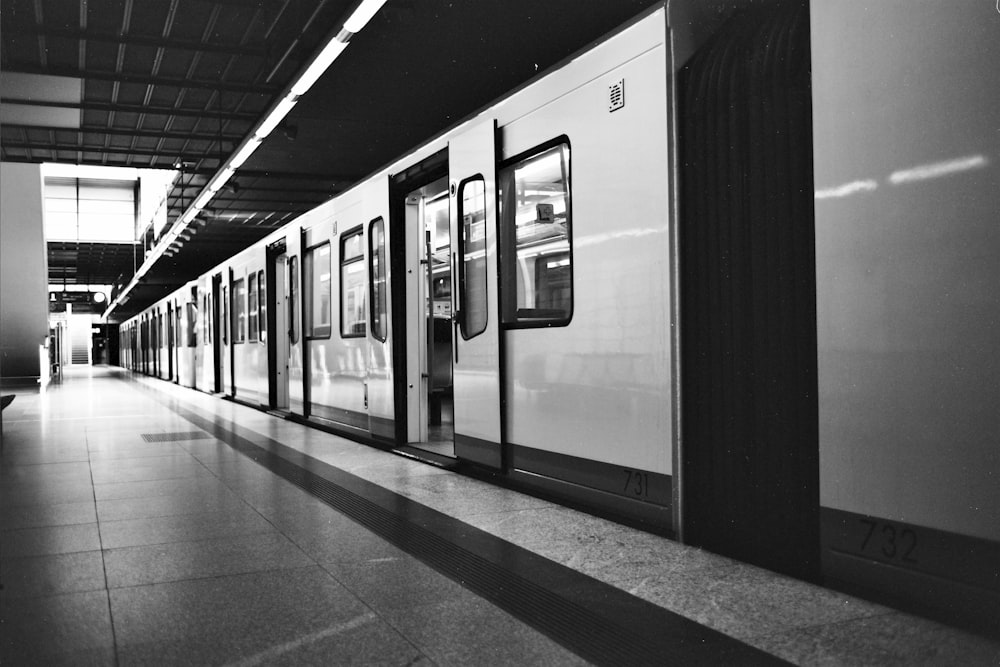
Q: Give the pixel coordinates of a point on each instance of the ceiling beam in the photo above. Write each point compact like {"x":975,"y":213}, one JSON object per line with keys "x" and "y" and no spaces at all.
{"x":129,"y":39}
{"x":46,"y":146}
{"x":143,"y":79}
{"x":149,"y":110}
{"x":151,"y":134}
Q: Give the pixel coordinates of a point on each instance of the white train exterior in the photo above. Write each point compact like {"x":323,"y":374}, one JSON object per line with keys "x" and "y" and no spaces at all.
{"x":730,"y":273}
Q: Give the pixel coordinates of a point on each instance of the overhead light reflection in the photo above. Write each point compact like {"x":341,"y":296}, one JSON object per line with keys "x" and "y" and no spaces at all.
{"x":847,"y":189}
{"x":938,"y":169}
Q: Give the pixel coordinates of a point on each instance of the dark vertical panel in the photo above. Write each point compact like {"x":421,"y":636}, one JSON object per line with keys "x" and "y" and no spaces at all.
{"x":748,"y":335}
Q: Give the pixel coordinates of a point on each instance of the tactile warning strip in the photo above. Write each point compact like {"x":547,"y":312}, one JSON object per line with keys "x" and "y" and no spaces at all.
{"x":175,"y":437}
{"x":597,"y":621}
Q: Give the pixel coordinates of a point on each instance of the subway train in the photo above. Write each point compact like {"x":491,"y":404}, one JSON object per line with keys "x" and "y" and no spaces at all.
{"x":729,"y":274}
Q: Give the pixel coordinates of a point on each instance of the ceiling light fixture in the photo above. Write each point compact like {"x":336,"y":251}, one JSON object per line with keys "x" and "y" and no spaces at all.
{"x":329,"y":53}
{"x":362,"y":15}
{"x":244,"y":152}
{"x":276,"y":115}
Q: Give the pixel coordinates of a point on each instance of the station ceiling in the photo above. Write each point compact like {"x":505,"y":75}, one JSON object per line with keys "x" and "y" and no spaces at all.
{"x":179,"y":84}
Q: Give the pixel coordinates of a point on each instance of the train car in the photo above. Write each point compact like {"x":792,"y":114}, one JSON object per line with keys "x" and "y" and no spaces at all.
{"x":727,"y":274}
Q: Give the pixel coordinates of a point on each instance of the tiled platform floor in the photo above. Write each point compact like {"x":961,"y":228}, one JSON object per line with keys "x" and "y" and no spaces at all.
{"x":120,"y":551}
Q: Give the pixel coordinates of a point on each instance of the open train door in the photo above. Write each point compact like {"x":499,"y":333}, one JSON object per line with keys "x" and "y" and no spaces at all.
{"x":475,"y":321}
{"x":215,"y":312}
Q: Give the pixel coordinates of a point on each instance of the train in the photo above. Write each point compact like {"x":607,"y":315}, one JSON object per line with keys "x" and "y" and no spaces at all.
{"x":729,"y":274}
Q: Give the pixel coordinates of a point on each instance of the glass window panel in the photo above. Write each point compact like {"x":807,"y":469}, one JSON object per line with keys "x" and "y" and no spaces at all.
{"x":262,"y":302}
{"x":351,"y":248}
{"x":60,"y":226}
{"x":535,"y":226}
{"x":293,"y":281}
{"x":94,"y":210}
{"x":352,"y":300}
{"x":102,"y":207}
{"x":252,"y":307}
{"x":379,"y":284}
{"x":192,"y":328}
{"x":352,"y":286}
{"x":472,"y":294}
{"x":60,"y":205}
{"x":318,"y":293}
{"x":223,"y":317}
{"x":239,"y":311}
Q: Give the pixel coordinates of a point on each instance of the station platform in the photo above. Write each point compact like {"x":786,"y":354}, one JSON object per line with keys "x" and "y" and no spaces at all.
{"x":146,"y":523}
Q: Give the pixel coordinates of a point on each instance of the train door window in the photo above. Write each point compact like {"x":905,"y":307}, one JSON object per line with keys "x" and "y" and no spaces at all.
{"x":352,"y":285}
{"x":293,"y":289}
{"x":472,"y":308}
{"x":239,"y":311}
{"x":252,"y":307}
{"x":262,"y":305}
{"x":223,"y":316}
{"x":535,"y":236}
{"x":318,"y":294}
{"x":377,"y":270}
{"x":192,"y":327}
{"x":209,"y":320}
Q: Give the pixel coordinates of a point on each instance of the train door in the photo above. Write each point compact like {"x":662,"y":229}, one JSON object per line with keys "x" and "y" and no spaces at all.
{"x":277,"y":325}
{"x":217,"y":324}
{"x":180,"y":342}
{"x":228,"y":383}
{"x":475,"y":325}
{"x":421,"y":217}
{"x":296,"y":376}
{"x":170,"y":341}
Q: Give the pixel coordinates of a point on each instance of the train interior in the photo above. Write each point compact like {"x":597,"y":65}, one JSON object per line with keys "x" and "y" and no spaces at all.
{"x":428,"y":237}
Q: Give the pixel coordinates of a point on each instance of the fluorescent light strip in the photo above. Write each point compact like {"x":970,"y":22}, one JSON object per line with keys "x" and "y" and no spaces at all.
{"x":203,"y":199}
{"x":329,"y":53}
{"x":244,"y":153}
{"x":275,"y":117}
{"x":220,"y":179}
{"x":362,"y":15}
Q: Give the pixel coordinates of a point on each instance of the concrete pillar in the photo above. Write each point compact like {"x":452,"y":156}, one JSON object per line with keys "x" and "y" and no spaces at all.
{"x":23,"y":274}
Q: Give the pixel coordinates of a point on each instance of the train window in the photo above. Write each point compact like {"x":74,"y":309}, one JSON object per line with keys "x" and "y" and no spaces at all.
{"x":472,"y":307}
{"x":209,"y":318}
{"x":293,"y":289}
{"x":239,"y":311}
{"x":223,"y":316}
{"x":379,"y":285}
{"x":352,"y":285}
{"x":262,"y":305}
{"x":192,"y":324}
{"x":252,"y":307}
{"x":535,"y":224}
{"x":318,"y":294}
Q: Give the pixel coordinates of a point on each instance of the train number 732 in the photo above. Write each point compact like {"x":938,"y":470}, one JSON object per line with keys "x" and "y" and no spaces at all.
{"x":889,"y":542}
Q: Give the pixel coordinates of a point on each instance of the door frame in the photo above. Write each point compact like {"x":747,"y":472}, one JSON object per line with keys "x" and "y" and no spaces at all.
{"x":277,"y":325}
